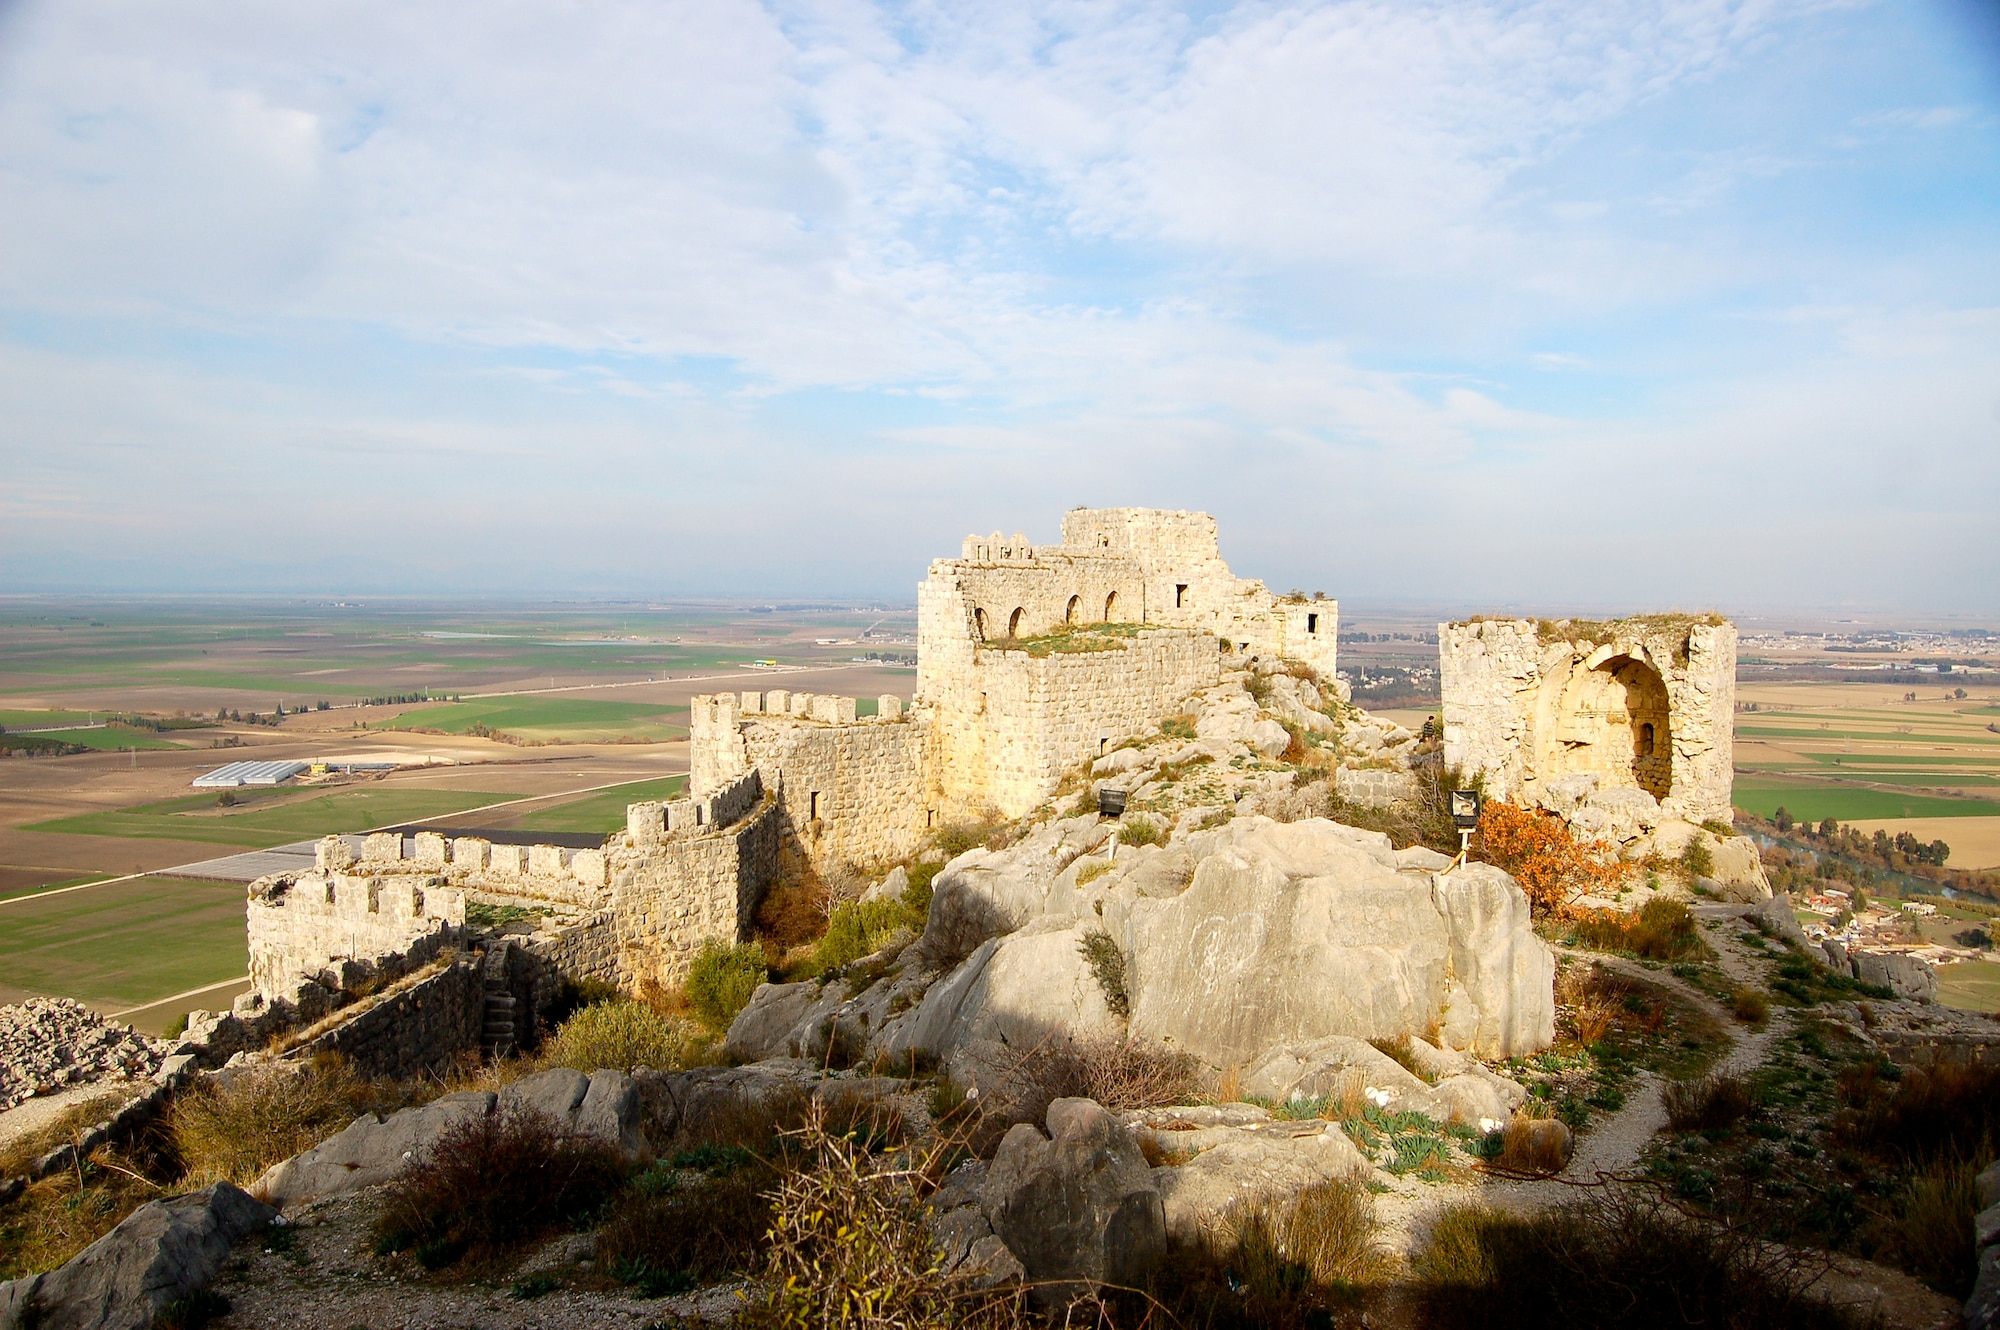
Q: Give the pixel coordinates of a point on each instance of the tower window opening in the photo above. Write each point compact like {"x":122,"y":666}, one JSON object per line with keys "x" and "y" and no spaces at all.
{"x":1180,"y":595}
{"x":1312,"y":623}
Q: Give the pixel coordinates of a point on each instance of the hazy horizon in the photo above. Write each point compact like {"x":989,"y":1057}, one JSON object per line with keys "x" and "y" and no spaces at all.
{"x":1607,"y":307}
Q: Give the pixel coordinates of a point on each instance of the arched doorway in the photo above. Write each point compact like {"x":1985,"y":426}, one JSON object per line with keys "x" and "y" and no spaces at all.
{"x":1111,"y":608}
{"x":1014,"y":621}
{"x":979,"y":622}
{"x":1613,"y":720}
{"x":1069,"y":611}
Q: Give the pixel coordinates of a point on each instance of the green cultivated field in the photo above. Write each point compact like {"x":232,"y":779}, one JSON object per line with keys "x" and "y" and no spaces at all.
{"x":1970,"y":986}
{"x":1814,"y":801}
{"x":604,"y":812}
{"x":270,"y":821}
{"x":112,"y":739}
{"x":554,"y":719}
{"x":126,"y":944}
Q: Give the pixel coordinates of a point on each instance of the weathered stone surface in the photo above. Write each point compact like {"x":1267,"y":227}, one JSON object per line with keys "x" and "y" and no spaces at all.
{"x":157,"y":1255}
{"x":1905,"y":976}
{"x":778,"y":1017}
{"x":1268,"y":737}
{"x":1775,"y":917}
{"x":1016,"y":990}
{"x":1982,"y":1309}
{"x":1077,"y":1208}
{"x":1333,"y":1065}
{"x":1294,"y":932}
{"x":1737,"y":868}
{"x":371,"y":1151}
{"x":1250,"y":1169}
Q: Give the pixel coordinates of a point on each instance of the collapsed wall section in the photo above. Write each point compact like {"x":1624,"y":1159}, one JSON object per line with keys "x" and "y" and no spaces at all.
{"x":326,"y":923}
{"x":1645,"y":704}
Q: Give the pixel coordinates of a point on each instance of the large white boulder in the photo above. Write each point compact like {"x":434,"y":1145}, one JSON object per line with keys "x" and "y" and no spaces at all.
{"x":1015,"y":991}
{"x":1294,"y":932}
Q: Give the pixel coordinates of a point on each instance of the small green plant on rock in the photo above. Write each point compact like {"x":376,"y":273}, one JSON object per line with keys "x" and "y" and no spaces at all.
{"x":1107,"y":962}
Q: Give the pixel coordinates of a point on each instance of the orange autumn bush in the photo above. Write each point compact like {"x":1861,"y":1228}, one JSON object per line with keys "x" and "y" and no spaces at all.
{"x":1552,"y":866}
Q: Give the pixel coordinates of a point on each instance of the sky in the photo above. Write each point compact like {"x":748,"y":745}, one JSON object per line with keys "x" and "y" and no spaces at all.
{"x":1609,"y":304}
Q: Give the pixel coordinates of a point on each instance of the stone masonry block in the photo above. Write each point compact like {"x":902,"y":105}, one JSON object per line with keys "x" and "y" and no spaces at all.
{"x":508,"y":860}
{"x":383,"y":845}
{"x":471,"y":852}
{"x":545,"y":860}
{"x":429,"y":850}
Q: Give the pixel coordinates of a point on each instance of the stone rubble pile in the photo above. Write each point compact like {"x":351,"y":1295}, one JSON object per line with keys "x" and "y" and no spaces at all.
{"x":50,"y":1044}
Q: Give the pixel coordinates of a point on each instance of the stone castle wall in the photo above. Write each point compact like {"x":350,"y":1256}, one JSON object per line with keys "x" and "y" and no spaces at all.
{"x":849,"y":791}
{"x":1002,"y":737}
{"x":1644,"y":703}
{"x":636,"y":910}
{"x":300,"y":928}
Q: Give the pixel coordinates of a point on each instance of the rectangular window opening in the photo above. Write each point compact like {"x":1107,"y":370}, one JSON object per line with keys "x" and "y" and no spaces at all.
{"x":1180,"y":595}
{"x":1312,"y":623}
{"x":813,"y":814}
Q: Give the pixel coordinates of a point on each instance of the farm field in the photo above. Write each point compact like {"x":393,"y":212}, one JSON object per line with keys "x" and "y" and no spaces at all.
{"x":1970,"y":986}
{"x":548,"y":720}
{"x":270,"y":820}
{"x":601,"y":813}
{"x":126,"y":944}
{"x":1870,"y":756}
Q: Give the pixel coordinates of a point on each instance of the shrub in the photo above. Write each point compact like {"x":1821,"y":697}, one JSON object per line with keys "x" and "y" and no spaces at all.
{"x":1661,"y":929}
{"x":493,"y":1184}
{"x":1141,"y":831}
{"x":686,"y":1231}
{"x":1712,"y":1103}
{"x":1331,"y":1232}
{"x":1179,"y":727}
{"x":861,"y":929}
{"x":1091,"y":871}
{"x":1552,"y":866}
{"x":232,"y":1132}
{"x":721,"y":980}
{"x":1697,"y":860}
{"x":1117,"y":1073}
{"x":1625,"y":1260}
{"x":1751,"y":1005}
{"x":1948,"y":1110}
{"x":1107,"y":962}
{"x":620,"y":1035}
{"x":793,"y":911}
{"x":848,"y":1247}
{"x":1930,"y":1231}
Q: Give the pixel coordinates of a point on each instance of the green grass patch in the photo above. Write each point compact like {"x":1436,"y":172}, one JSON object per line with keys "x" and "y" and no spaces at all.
{"x":1886,"y":735}
{"x":603,"y":812}
{"x":35,"y":720}
{"x":263,"y":822}
{"x":1814,"y":801}
{"x":574,"y":720}
{"x":106,"y":739}
{"x":125,"y":944}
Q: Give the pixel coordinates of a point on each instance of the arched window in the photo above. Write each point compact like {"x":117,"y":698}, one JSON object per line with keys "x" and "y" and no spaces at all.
{"x":979,"y":622}
{"x":1069,"y":611}
{"x":1646,"y":739}
{"x":1014,"y":621}
{"x":1111,"y":608}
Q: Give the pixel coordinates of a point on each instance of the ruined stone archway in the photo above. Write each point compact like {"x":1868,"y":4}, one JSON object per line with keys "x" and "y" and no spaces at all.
{"x":1111,"y":608}
{"x":1612,"y":720}
{"x":1014,"y":621}
{"x":1069,"y":611}
{"x":979,"y":622}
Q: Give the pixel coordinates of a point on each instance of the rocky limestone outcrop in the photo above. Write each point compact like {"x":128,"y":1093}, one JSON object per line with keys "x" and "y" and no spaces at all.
{"x":1224,"y":1161}
{"x":1293,"y":932}
{"x":1077,"y":1207}
{"x":373,"y":1150}
{"x":159,"y":1254}
{"x":1227,"y":943}
{"x":1457,"y":1089}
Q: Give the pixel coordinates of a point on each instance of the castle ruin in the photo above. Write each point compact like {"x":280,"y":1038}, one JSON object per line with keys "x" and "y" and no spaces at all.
{"x":1644,"y":703}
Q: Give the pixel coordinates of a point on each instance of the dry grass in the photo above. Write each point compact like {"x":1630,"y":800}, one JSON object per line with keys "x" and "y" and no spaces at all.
{"x":1751,"y":1006}
{"x":372,"y":998}
{"x":1532,"y":1145}
{"x":1929,"y":1232}
{"x":233,"y":1131}
{"x":60,"y":1215}
{"x":675,"y":1228}
{"x":65,"y":1128}
{"x":1712,"y":1103}
{"x":1621,"y":1260}
{"x":1662,"y":929}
